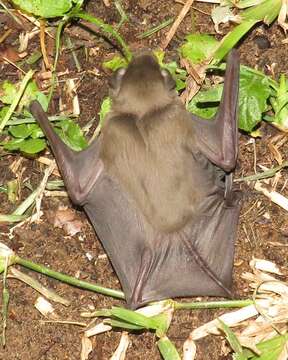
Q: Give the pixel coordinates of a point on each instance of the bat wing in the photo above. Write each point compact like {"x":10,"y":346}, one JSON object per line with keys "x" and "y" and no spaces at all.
{"x":152,"y":266}
{"x":79,"y":170}
{"x":218,"y":138}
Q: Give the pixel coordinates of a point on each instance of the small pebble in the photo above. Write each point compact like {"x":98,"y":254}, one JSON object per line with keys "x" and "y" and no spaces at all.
{"x":262,"y":42}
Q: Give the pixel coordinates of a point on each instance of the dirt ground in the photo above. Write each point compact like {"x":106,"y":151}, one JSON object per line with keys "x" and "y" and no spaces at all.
{"x":263,"y":228}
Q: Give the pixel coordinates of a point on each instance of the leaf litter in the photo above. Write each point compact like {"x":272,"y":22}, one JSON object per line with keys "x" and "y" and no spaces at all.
{"x":258,"y":117}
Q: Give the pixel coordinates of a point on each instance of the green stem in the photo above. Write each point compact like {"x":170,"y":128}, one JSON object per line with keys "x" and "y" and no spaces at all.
{"x":263,"y":175}
{"x":17,"y":98}
{"x":60,"y":27}
{"x":68,"y":279}
{"x":155,"y":29}
{"x":4,"y":218}
{"x":212,"y":304}
{"x":31,"y":120}
{"x":108,"y":29}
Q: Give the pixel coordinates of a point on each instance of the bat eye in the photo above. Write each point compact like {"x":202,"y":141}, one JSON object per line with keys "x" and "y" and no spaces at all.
{"x":168,"y":80}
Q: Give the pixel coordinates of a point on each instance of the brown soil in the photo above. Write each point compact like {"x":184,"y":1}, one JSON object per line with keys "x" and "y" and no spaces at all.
{"x":27,"y":335}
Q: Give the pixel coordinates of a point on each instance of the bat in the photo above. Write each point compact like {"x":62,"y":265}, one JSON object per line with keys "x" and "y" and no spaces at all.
{"x":157,"y":185}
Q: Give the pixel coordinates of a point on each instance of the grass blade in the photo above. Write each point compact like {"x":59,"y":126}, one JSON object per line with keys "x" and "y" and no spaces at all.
{"x":17,"y":98}
{"x":167,"y":349}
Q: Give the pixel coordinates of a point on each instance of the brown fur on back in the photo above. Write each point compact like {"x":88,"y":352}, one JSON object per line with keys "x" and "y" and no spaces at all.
{"x":151,"y":152}
{"x":152,"y":159}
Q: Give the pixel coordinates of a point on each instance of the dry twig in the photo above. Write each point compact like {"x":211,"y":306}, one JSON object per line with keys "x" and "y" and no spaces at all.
{"x":176,"y":23}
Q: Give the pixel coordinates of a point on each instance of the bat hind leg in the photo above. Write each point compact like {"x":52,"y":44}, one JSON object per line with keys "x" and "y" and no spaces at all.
{"x":141,"y":280}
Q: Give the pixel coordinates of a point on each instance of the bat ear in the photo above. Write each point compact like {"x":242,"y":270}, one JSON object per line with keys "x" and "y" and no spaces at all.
{"x":168,"y":79}
{"x":116,"y":79}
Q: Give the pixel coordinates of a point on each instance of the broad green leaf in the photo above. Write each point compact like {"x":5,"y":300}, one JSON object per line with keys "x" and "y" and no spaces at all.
{"x":205,"y":103}
{"x":72,"y":135}
{"x":8,"y":92}
{"x":32,"y":93}
{"x":253,"y":94}
{"x":198,"y":47}
{"x":254,"y":91}
{"x":22,"y":86}
{"x":115,"y":63}
{"x":269,"y":349}
{"x":13,"y":144}
{"x":167,"y":349}
{"x":178,"y":74}
{"x":20,"y":131}
{"x":44,"y":8}
{"x":36,"y":131}
{"x":3,"y":112}
{"x":32,"y":146}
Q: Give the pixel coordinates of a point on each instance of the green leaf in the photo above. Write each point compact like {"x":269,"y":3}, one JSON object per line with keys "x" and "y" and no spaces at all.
{"x":266,"y":11}
{"x":8,"y":92}
{"x":271,"y":349}
{"x":32,"y":146}
{"x":205,"y":103}
{"x":123,"y":325}
{"x":198,"y":47}
{"x":104,"y":109}
{"x":254,"y":91}
{"x":3,"y":112}
{"x":279,"y":102}
{"x":9,"y":219}
{"x":22,"y":86}
{"x":12,"y":145}
{"x":32,"y":93}
{"x":253,"y":94}
{"x":231,"y":39}
{"x":233,"y":341}
{"x":72,"y":135}
{"x":167,"y":349}
{"x":163,"y":321}
{"x":36,"y":131}
{"x":134,"y":318}
{"x":44,"y":8}
{"x":115,"y":63}
{"x":242,"y":4}
{"x":20,"y":131}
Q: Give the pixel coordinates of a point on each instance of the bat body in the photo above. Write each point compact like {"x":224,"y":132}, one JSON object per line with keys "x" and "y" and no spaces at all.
{"x":157,"y":187}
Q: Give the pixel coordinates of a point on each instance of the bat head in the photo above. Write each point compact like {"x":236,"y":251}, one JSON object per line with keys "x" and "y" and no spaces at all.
{"x":142,"y":86}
